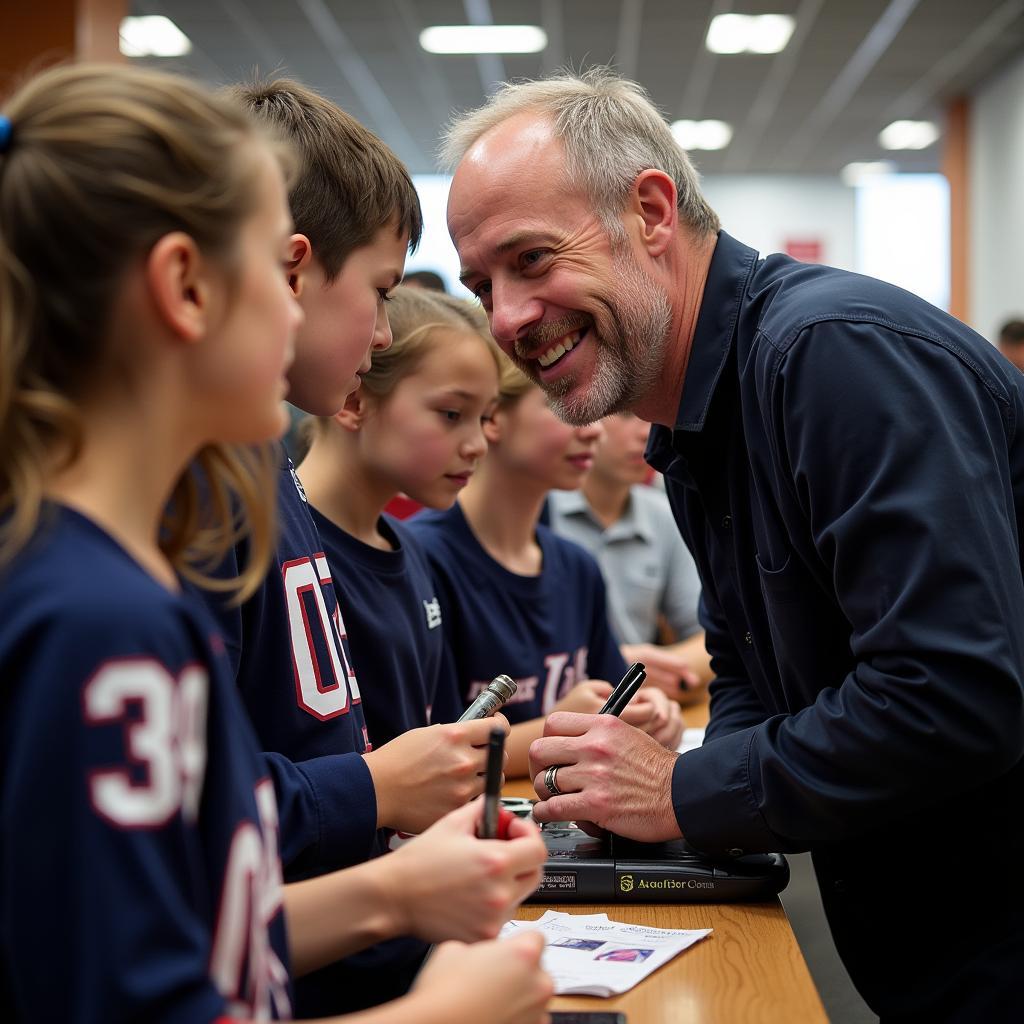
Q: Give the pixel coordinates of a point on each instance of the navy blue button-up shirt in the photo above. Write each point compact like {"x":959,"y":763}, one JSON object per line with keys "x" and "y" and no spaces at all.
{"x":847,"y":468}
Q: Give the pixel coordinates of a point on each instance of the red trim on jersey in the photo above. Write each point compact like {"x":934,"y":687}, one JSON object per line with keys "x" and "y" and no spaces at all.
{"x":330,"y":637}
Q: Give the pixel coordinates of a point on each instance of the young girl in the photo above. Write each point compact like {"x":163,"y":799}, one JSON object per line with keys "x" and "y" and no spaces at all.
{"x":145,"y":322}
{"x":518,"y":599}
{"x":414,"y":425}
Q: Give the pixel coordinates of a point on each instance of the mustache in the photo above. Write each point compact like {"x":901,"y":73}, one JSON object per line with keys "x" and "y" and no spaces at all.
{"x":544,"y":334}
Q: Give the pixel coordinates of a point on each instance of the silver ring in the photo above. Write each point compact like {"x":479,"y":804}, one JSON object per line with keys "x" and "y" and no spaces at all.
{"x":550,"y":781}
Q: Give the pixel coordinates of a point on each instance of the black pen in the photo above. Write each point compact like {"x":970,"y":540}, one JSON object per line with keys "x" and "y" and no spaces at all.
{"x":492,"y":783}
{"x":614,"y":705}
{"x":623,"y":693}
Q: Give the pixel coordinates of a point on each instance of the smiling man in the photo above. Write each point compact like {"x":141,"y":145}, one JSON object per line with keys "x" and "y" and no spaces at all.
{"x":845,"y":463}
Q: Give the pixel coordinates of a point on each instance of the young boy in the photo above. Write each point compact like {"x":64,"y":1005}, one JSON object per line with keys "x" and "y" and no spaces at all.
{"x":356,"y":214}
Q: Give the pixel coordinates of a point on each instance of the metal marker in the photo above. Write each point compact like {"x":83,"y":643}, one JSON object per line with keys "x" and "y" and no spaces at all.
{"x":498,"y":691}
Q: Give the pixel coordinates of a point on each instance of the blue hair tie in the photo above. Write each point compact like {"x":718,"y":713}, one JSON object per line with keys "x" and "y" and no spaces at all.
{"x":5,"y":133}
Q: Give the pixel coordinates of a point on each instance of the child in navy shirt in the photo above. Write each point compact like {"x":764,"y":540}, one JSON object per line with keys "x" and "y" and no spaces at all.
{"x":414,"y":425}
{"x":356,"y":214}
{"x":127,"y":764}
{"x":517,"y":598}
{"x":145,"y":324}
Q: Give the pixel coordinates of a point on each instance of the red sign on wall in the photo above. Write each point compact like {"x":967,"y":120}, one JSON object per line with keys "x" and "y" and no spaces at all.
{"x":807,"y":250}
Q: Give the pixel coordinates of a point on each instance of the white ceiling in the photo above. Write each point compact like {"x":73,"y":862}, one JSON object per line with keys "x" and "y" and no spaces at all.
{"x":851,"y":67}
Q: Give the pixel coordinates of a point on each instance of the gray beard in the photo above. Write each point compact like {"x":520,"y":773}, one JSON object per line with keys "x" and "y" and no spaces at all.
{"x":631,"y":334}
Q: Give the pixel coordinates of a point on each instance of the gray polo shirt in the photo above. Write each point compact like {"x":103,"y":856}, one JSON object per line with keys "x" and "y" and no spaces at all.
{"x":647,"y":567}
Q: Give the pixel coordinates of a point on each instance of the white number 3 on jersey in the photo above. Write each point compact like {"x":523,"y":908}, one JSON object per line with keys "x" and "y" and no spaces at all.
{"x":164,"y":721}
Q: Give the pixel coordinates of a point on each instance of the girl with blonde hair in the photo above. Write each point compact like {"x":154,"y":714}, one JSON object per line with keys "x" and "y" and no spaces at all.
{"x":414,"y":426}
{"x":517,"y":598}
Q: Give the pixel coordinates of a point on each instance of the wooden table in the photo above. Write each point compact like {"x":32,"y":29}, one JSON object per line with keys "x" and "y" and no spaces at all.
{"x":748,"y":971}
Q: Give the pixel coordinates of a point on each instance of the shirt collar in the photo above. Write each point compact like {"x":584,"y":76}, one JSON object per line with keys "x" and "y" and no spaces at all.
{"x":634,"y":521}
{"x":570,"y":503}
{"x":731,"y":266}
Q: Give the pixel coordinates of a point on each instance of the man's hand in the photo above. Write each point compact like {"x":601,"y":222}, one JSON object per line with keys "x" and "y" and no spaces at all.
{"x":425,"y":773}
{"x":669,"y":671}
{"x":611,"y":774}
{"x":447,"y":884}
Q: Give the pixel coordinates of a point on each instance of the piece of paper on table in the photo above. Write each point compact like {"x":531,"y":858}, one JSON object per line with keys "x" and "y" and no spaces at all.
{"x":587,"y":954}
{"x":691,"y":739}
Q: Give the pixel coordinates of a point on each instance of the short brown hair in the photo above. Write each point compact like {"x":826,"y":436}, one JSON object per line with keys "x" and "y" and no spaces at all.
{"x":1012,"y":333}
{"x":349,"y":184}
{"x":413,"y":314}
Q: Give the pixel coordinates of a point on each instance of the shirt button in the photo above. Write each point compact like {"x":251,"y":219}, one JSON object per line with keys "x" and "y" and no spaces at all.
{"x":748,"y":639}
{"x":726,"y":522}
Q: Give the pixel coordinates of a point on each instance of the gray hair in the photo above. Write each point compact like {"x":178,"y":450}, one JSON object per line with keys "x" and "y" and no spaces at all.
{"x":611,"y":132}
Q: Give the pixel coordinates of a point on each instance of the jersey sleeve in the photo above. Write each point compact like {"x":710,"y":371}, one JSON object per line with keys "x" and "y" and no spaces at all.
{"x":328,"y":812}
{"x":106,"y":908}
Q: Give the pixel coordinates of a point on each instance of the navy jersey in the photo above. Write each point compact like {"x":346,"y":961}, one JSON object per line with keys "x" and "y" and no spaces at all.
{"x":548,"y":632}
{"x":138,"y":859}
{"x":394,"y":621}
{"x":292,"y":663}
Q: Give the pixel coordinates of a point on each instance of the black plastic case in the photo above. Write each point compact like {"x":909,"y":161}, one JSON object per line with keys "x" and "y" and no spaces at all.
{"x":610,"y":869}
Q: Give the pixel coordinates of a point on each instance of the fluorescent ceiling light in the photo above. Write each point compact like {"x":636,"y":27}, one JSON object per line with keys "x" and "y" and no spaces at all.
{"x":153,"y":36}
{"x":749,"y":33}
{"x":908,"y":135}
{"x":702,"y":134}
{"x":860,"y":170}
{"x":483,"y":39}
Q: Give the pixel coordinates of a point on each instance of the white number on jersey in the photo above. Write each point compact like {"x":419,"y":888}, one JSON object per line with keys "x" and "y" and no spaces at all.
{"x":243,"y":965}
{"x":164,"y":722}
{"x":322,"y":698}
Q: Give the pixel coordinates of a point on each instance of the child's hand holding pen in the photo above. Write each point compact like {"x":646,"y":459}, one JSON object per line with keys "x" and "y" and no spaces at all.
{"x":495,"y":822}
{"x":449,"y":884}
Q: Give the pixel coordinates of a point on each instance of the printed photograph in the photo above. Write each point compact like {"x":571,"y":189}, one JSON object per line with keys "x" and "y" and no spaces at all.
{"x":625,"y":956}
{"x":587,"y":945}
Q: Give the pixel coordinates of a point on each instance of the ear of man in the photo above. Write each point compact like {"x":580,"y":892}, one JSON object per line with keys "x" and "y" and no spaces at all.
{"x":652,"y":207}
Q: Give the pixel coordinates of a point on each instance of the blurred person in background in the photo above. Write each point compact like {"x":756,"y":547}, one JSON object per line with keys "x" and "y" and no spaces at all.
{"x":652,"y":582}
